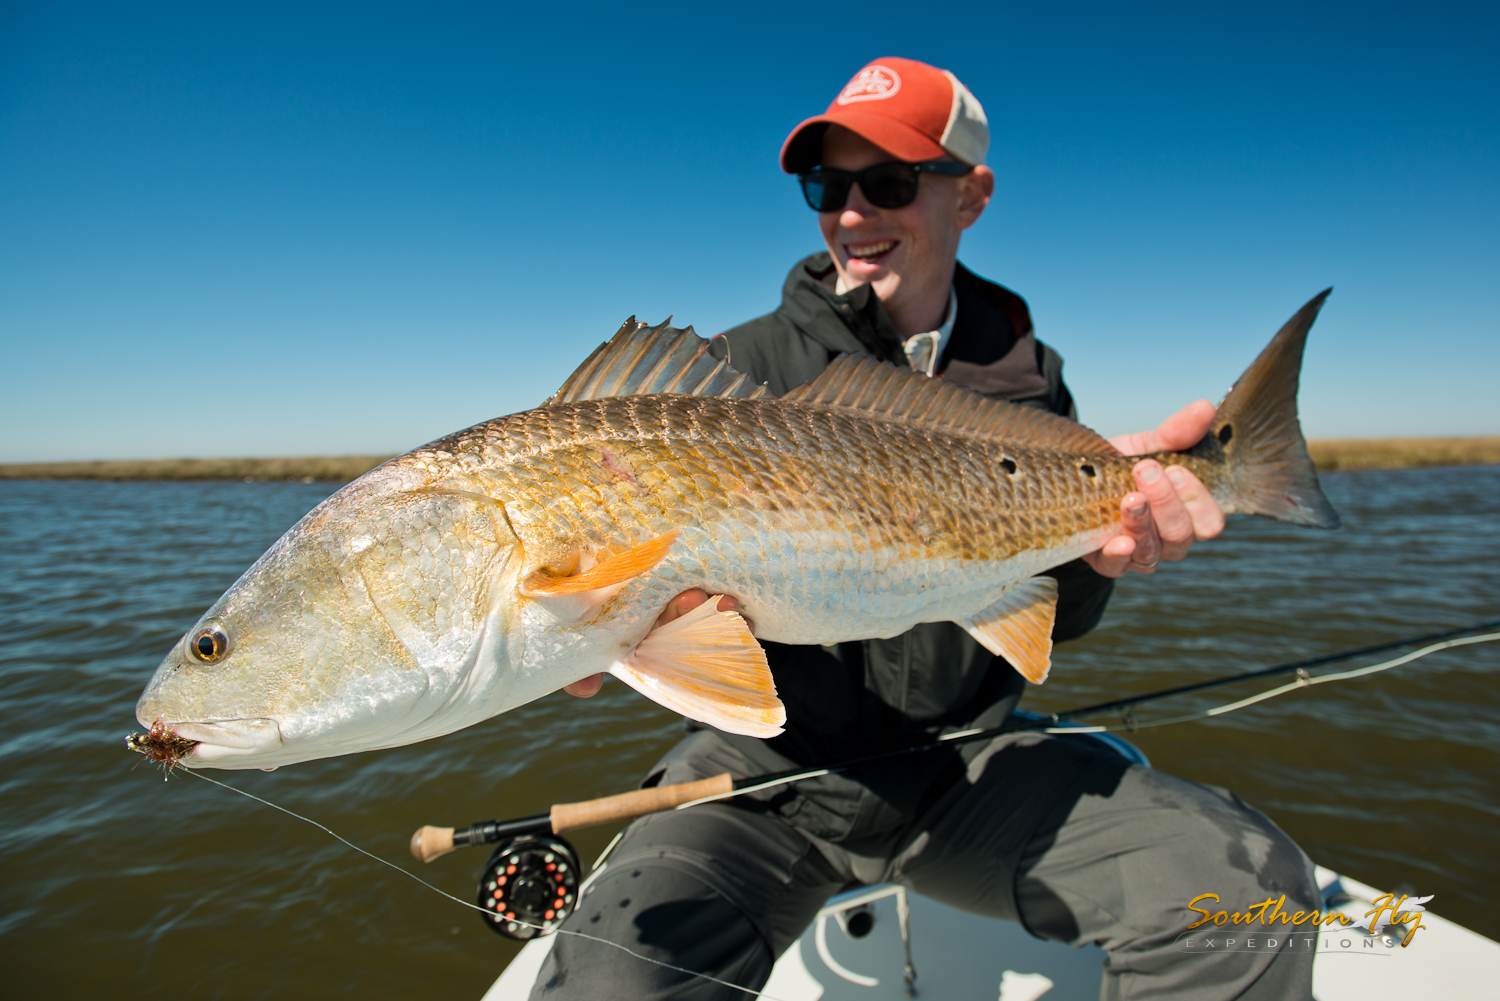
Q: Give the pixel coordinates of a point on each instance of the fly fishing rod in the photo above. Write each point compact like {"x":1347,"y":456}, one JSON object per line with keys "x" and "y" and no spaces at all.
{"x":534,"y":874}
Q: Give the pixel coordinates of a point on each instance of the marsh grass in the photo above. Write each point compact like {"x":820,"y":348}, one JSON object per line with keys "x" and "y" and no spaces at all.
{"x":1329,"y":454}
{"x":1402,"y":453}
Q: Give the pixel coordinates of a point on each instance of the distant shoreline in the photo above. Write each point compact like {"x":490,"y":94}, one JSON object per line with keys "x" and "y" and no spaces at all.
{"x":1402,"y":453}
{"x":310,"y":468}
{"x":1330,"y":454}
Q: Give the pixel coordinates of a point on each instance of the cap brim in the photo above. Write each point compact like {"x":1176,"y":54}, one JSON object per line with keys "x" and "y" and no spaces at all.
{"x":804,"y":147}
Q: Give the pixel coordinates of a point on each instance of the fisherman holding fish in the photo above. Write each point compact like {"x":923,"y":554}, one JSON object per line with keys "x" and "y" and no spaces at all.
{"x":1058,"y":833}
{"x":886,"y":477}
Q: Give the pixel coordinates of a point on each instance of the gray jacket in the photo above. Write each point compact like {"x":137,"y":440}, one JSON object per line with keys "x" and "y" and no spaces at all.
{"x":863,"y":697}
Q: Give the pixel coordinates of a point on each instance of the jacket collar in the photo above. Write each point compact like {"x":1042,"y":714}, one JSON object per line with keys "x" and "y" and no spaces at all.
{"x":856,"y":320}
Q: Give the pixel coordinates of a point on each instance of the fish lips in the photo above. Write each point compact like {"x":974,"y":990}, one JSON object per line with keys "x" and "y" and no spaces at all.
{"x":223,"y":740}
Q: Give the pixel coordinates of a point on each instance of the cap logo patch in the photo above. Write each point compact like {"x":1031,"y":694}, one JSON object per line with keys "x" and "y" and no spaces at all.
{"x":873,"y":83}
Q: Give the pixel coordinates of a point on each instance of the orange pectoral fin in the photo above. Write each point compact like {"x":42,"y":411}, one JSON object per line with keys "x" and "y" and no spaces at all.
{"x":1018,"y":627}
{"x":615,"y":570}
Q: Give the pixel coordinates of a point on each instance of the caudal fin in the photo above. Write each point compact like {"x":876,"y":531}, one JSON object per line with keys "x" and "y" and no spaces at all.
{"x":1261,"y":440}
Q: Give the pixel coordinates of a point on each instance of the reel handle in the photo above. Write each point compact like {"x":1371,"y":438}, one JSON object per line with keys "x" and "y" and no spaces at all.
{"x":571,"y":816}
{"x":429,"y":843}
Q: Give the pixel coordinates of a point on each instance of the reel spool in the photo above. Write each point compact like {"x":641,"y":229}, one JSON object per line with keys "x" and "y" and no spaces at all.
{"x":531,"y":878}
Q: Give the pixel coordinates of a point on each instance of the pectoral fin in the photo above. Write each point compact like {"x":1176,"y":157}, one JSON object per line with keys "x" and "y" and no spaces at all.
{"x":612,"y":572}
{"x":1018,"y":627}
{"x":706,"y":666}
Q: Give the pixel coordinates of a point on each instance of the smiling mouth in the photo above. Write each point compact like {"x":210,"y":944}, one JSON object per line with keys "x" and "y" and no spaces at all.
{"x":870,"y":251}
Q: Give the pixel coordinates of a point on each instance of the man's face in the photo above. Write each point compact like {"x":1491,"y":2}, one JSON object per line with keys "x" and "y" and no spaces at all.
{"x":906,"y":253}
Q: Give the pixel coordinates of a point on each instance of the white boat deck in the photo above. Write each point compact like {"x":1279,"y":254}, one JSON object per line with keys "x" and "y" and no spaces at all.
{"x":961,"y":956}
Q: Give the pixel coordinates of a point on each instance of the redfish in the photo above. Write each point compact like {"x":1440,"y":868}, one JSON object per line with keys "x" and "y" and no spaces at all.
{"x":491,"y":567}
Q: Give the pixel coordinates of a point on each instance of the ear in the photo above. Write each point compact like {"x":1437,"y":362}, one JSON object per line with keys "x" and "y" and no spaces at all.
{"x":975,"y":191}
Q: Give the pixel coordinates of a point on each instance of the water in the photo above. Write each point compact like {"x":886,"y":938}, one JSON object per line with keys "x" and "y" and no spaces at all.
{"x":117,"y":881}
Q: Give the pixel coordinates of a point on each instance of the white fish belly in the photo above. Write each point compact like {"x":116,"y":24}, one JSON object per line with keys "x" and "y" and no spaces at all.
{"x":814,"y":588}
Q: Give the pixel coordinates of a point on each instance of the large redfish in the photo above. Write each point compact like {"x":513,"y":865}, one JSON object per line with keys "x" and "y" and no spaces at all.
{"x":491,"y":567}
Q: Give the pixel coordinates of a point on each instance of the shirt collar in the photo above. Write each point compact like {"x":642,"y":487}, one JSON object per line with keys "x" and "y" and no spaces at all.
{"x":923,"y":351}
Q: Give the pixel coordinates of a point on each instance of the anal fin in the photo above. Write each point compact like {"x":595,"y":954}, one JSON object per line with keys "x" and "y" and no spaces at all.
{"x":1018,"y":627}
{"x":707,"y":666}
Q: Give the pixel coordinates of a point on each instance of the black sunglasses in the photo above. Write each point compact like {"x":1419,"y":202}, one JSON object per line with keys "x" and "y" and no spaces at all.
{"x":888,"y":185}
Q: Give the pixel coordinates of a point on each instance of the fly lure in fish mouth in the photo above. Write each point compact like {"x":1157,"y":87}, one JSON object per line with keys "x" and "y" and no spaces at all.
{"x":161,"y":746}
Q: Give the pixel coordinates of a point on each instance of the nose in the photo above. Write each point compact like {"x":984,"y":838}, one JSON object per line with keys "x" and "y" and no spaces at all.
{"x":857,"y":211}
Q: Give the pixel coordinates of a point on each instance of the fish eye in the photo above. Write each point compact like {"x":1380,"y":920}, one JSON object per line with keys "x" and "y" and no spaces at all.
{"x":210,"y":644}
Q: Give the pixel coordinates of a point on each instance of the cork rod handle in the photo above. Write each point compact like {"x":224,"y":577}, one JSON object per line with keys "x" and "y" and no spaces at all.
{"x":571,"y":816}
{"x":429,"y":842}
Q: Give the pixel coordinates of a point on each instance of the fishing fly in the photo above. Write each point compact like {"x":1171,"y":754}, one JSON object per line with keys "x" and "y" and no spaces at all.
{"x":161,"y":746}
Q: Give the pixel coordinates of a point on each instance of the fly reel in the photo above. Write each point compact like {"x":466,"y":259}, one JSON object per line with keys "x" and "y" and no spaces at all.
{"x":529,"y":885}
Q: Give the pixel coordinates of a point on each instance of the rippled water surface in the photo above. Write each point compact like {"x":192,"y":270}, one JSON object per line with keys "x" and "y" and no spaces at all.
{"x":115,"y":881}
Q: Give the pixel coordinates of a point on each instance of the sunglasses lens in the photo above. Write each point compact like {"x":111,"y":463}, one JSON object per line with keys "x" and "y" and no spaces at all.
{"x":890,"y":185}
{"x":887,"y":185}
{"x":824,"y":190}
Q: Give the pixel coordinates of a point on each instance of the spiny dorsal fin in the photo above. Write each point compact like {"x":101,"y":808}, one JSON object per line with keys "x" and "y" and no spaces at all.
{"x":862,"y":383}
{"x":640,"y":360}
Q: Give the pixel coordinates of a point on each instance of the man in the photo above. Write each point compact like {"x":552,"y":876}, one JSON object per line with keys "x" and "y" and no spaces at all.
{"x":1055,"y":832}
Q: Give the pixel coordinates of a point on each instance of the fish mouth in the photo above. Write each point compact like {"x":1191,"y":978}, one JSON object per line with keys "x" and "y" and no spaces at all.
{"x":233,"y":738}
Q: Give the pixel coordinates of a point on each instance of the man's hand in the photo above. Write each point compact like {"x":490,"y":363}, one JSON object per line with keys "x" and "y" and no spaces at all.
{"x":676,"y":608}
{"x":1171,"y":509}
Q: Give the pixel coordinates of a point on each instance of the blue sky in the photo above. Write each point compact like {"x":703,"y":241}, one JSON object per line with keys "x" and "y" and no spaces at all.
{"x":282,"y":229}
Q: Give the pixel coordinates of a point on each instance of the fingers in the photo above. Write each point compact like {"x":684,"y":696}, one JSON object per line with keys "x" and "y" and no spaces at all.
{"x":729,"y":603}
{"x":587,"y":688}
{"x":1171,"y":511}
{"x":1137,"y":548}
{"x":1185,"y":428}
{"x":1206,"y":515}
{"x":1173,"y":524}
{"x":681,"y":605}
{"x":691,"y":599}
{"x":1182,"y":430}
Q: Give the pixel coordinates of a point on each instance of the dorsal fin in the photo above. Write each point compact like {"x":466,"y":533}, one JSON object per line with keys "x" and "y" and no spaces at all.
{"x":862,"y":383}
{"x":640,"y":360}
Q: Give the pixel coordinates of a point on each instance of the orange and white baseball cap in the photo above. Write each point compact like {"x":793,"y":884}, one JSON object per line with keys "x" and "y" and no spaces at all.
{"x":913,"y":111}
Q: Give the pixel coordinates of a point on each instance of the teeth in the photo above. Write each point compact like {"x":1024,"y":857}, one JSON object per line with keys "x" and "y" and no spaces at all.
{"x":871,"y":250}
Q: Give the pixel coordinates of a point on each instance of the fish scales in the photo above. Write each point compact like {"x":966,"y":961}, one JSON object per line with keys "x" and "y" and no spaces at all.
{"x":618,"y":470}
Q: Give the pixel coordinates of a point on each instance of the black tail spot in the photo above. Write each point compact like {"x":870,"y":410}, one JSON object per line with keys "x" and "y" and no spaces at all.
{"x":1009,"y":466}
{"x":1225,"y":433}
{"x":1088,"y":470}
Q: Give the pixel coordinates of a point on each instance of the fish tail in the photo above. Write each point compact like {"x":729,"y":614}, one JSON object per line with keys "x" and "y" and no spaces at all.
{"x":1257,"y":437}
